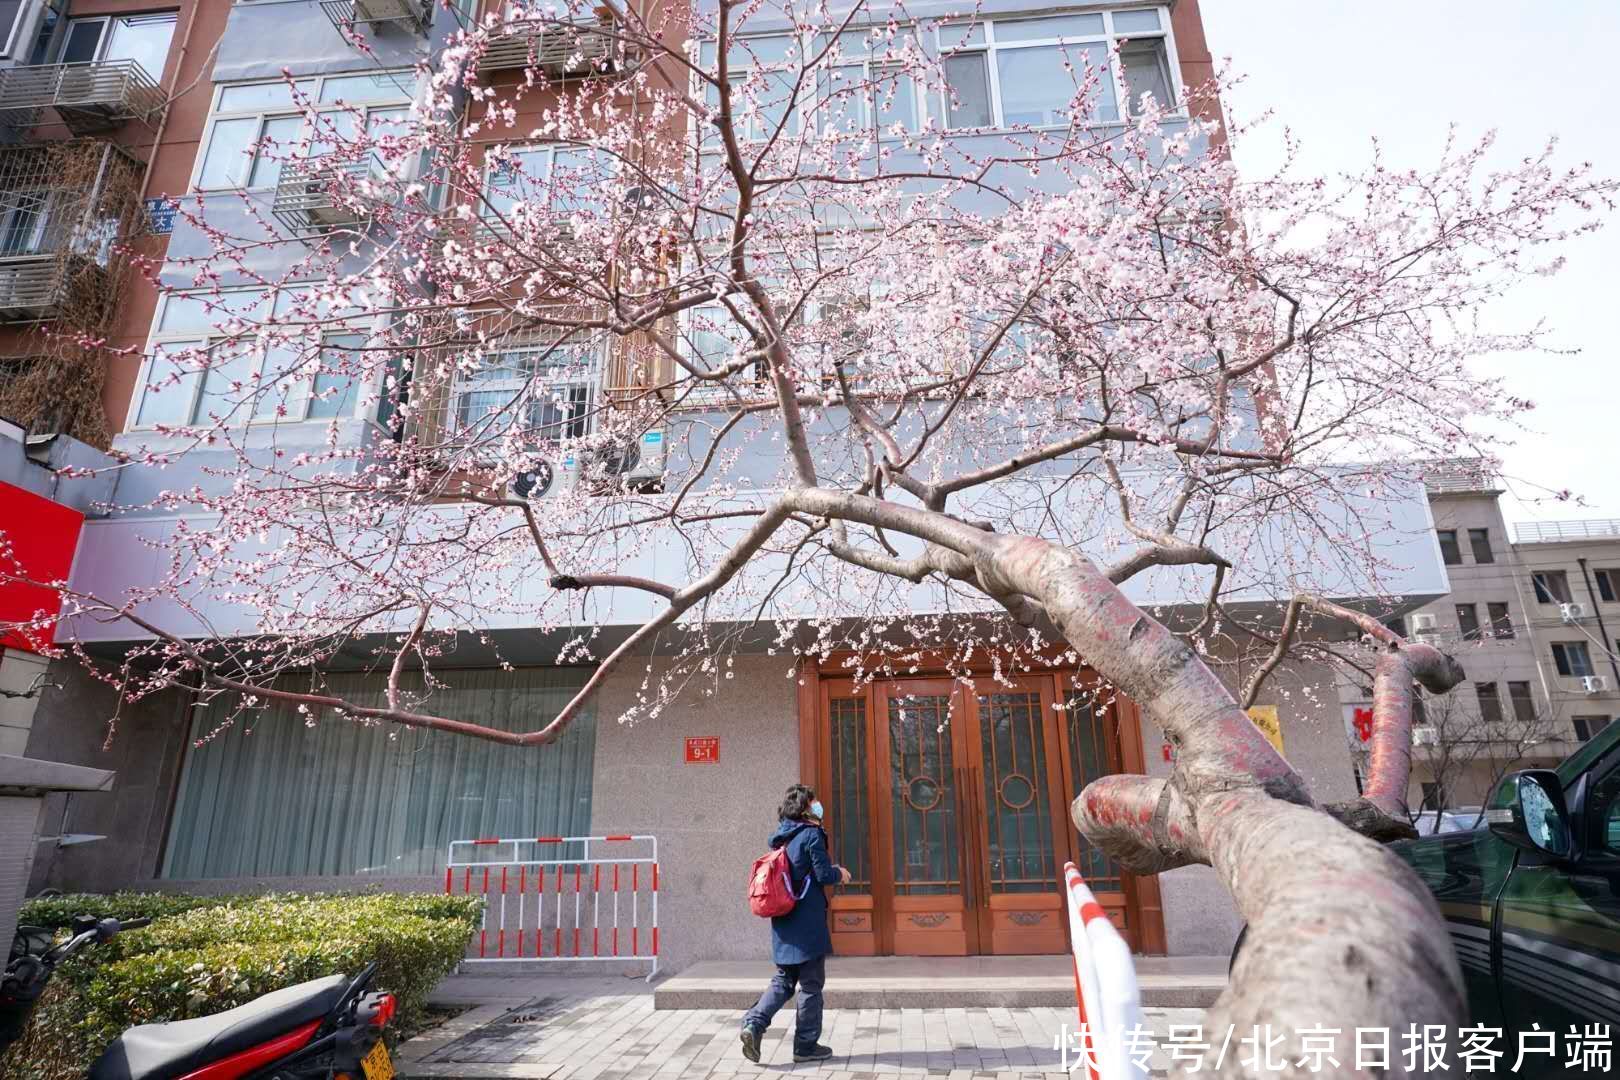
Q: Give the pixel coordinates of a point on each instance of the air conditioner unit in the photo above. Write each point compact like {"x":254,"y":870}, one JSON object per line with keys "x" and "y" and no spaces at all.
{"x":1594,"y":684}
{"x":634,"y":465}
{"x":381,"y":11}
{"x":574,"y":50}
{"x":545,"y":479}
{"x":1573,"y":612}
{"x":1425,"y":736}
{"x":647,"y":473}
{"x":1423,"y":623}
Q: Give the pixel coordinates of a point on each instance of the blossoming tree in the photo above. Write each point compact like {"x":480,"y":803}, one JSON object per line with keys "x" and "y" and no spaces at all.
{"x":930,"y":370}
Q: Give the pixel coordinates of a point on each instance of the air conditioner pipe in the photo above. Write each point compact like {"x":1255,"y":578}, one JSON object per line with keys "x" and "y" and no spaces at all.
{"x":1609,"y":643}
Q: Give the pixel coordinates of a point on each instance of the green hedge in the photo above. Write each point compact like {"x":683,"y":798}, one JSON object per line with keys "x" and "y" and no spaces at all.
{"x":205,"y":954}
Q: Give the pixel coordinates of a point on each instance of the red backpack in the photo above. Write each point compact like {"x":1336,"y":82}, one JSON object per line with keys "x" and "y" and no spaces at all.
{"x":770,"y":885}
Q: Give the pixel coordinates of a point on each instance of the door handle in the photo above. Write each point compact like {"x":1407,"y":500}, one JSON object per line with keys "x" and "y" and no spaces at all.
{"x":964,"y":803}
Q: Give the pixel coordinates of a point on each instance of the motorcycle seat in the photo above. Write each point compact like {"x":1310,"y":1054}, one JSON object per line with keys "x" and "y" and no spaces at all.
{"x":168,"y":1051}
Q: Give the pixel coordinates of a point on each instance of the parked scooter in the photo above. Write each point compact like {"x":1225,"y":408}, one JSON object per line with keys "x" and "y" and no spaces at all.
{"x":318,"y":1030}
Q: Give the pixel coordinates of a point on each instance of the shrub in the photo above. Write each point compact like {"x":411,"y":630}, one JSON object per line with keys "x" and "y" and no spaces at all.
{"x":201,"y":959}
{"x":58,"y":912}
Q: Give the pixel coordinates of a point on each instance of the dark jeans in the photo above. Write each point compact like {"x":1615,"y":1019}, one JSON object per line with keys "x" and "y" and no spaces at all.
{"x":808,"y":979}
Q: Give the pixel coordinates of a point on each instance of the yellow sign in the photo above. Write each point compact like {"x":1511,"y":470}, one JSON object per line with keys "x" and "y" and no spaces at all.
{"x":1265,"y":718}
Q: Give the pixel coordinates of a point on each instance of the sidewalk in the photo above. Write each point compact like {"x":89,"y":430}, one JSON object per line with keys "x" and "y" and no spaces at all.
{"x":610,"y":1031}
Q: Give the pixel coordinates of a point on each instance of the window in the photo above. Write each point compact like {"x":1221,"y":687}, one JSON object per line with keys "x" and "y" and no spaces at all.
{"x":1552,"y":586}
{"x":542,"y":390}
{"x":404,"y":806}
{"x":1588,"y":726}
{"x":1396,"y":624}
{"x":1468,"y":621}
{"x":1608,"y":584}
{"x":256,"y":127}
{"x":1572,"y":659}
{"x":761,"y":72}
{"x":1524,"y":705}
{"x":1449,"y":551}
{"x":197,"y":374}
{"x":553,"y":178}
{"x":867,"y":88}
{"x":1434,"y":796}
{"x":1501,"y":621}
{"x":1479,"y":540}
{"x":1014,"y":72}
{"x":1490,"y":702}
{"x":141,"y":38}
{"x":1603,"y":806}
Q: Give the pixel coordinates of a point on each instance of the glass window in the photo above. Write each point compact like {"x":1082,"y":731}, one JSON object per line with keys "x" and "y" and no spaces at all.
{"x":143,"y":39}
{"x":557,"y":177}
{"x":359,"y":89}
{"x":1479,"y":541}
{"x":250,"y":150}
{"x":1490,"y":704}
{"x":400,"y":802}
{"x":1146,"y":70}
{"x":165,"y":401}
{"x":226,"y":381}
{"x":1572,"y":659}
{"x":334,"y":389}
{"x":1062,"y":27}
{"x":1588,"y":726}
{"x":226,"y":161}
{"x":1501,"y":621}
{"x":1524,"y":704}
{"x":1552,"y":586}
{"x":278,"y":141}
{"x":961,"y":34}
{"x":1468,"y":621}
{"x":967,"y":79}
{"x":542,"y":391}
{"x":1135,"y":22}
{"x":259,"y":97}
{"x":1608,"y":585}
{"x":83,"y":41}
{"x":1449,"y":551}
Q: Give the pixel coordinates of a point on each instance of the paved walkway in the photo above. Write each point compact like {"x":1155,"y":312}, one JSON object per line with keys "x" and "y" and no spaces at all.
{"x":611,"y":1032}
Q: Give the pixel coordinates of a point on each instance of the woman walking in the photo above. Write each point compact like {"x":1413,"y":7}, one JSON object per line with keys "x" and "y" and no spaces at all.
{"x":800,"y":940}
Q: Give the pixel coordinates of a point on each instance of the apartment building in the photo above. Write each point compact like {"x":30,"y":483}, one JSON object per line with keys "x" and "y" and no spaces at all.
{"x":344,"y":806}
{"x":1530,"y":613}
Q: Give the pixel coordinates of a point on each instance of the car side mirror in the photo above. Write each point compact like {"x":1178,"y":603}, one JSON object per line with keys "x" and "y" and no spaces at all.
{"x":1527,"y":810}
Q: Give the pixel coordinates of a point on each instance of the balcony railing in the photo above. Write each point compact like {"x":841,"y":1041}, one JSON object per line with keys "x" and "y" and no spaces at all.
{"x":88,"y":98}
{"x":570,"y":50}
{"x":320,"y":194}
{"x":1547,"y":532}
{"x":412,"y":16}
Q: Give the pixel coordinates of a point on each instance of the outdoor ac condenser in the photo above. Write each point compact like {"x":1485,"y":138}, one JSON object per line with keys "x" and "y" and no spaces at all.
{"x":378,"y":11}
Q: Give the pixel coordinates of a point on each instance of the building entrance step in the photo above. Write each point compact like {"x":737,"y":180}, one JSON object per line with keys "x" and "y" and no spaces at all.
{"x":895,"y":982}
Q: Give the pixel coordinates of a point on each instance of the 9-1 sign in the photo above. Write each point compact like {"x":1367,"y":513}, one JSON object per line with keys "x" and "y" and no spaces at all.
{"x":703,"y":750}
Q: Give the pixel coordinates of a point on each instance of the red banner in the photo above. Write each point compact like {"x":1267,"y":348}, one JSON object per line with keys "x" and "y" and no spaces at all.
{"x":42,"y":536}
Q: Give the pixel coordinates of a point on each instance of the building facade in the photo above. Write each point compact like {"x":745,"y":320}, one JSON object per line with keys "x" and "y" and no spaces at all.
{"x":955,"y":834}
{"x":1532,"y":613}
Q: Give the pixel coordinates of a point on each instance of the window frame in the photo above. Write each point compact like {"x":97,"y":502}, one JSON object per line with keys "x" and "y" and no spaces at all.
{"x":311,"y":86}
{"x":1478,"y":539}
{"x":1455,"y":549}
{"x":1563,"y":653}
{"x":1544,"y":593}
{"x":1466,"y":631}
{"x":993,"y":50}
{"x":204,"y":337}
{"x":1606,"y":580}
{"x":1580,"y":722}
{"x":463,"y":384}
{"x":1489,"y":700}
{"x":1501,"y":628}
{"x":1522,"y":704}
{"x":550,"y":148}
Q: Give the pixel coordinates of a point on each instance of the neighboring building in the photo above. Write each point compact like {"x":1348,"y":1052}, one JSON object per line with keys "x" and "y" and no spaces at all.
{"x":340,"y":805}
{"x":1533,"y":617}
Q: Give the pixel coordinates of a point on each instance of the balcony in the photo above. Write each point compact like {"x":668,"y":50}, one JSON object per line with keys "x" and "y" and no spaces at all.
{"x":411,"y":16}
{"x":88,"y":98}
{"x":322,"y":194}
{"x":1552,"y":532}
{"x":562,"y":50}
{"x":63,"y":209}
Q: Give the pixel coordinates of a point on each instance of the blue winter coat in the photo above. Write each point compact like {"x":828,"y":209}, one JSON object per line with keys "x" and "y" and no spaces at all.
{"x":802,"y":935}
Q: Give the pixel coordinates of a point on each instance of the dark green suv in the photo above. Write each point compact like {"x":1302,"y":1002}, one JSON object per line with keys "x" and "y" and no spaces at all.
{"x":1533,"y":899}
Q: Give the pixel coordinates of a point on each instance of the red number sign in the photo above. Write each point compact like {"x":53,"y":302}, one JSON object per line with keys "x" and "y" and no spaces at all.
{"x":703,"y":750}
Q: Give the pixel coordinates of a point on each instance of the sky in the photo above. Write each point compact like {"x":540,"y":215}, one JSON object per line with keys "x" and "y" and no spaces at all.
{"x":1339,"y":72}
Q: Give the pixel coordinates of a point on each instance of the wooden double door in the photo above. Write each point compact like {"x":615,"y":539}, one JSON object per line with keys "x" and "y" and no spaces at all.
{"x":949,"y":804}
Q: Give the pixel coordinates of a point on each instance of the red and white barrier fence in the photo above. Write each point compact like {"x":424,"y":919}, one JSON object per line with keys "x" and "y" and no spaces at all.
{"x":543,"y":902}
{"x":1105,"y":987}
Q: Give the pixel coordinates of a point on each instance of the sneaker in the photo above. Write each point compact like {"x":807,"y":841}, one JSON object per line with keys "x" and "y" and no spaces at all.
{"x":750,"y":1041}
{"x":814,"y":1053}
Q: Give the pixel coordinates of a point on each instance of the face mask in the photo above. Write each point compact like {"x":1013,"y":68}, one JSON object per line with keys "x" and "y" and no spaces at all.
{"x":816,"y":810}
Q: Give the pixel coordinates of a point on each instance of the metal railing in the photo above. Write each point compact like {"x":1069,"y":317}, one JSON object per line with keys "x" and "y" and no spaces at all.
{"x":1544,"y":532}
{"x":345,"y":15}
{"x":602,"y":906}
{"x":316,"y":194}
{"x":561,"y":50}
{"x":87,"y":97}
